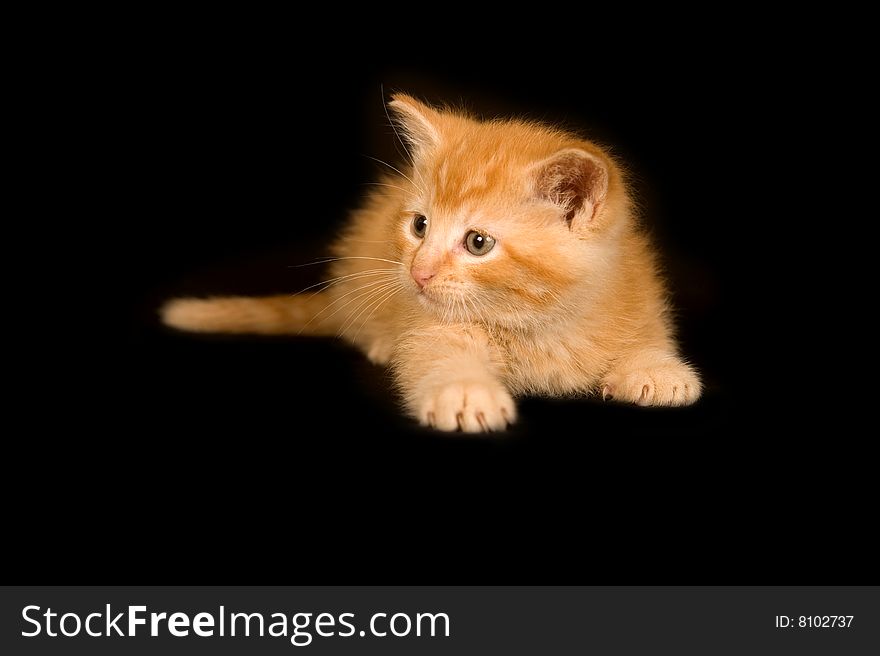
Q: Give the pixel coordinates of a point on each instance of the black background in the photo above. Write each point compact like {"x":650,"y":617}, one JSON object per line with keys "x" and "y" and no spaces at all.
{"x":207,"y":155}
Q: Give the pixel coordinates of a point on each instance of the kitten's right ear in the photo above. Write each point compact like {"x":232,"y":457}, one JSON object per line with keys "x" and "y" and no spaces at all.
{"x":418,"y":122}
{"x":577,"y":182}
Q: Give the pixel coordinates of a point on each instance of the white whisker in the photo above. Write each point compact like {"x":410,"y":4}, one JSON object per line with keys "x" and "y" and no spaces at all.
{"x":340,"y":279}
{"x":378,"y":303}
{"x":373,"y":283}
{"x":394,"y":168}
{"x":385,"y":184}
{"x":391,"y":123}
{"x":364,"y":304}
{"x":348,"y":257}
{"x":377,"y":287}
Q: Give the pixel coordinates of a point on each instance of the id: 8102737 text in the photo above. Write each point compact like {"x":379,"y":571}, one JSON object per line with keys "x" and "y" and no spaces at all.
{"x":814,"y":621}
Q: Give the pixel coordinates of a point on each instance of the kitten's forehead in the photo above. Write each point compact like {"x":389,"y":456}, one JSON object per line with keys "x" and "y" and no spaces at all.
{"x":483,"y":166}
{"x":466,"y":173}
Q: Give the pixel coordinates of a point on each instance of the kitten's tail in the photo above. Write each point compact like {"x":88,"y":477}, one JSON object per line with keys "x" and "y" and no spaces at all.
{"x":269,"y":315}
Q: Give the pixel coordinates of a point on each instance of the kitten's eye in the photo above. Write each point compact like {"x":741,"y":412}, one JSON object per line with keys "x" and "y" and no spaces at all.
{"x":477,"y":243}
{"x":419,"y":226}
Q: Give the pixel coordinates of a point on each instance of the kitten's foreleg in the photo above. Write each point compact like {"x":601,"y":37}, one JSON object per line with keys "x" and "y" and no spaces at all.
{"x":449,"y":379}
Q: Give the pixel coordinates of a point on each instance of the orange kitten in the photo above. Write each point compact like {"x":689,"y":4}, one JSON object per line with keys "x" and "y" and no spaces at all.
{"x":506,"y":261}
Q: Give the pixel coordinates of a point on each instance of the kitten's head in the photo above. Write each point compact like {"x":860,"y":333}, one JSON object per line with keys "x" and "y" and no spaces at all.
{"x":504,"y":221}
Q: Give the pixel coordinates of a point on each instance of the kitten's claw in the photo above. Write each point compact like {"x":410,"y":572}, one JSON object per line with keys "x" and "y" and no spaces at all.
{"x":662,"y":384}
{"x":481,"y":420}
{"x":471,"y":407}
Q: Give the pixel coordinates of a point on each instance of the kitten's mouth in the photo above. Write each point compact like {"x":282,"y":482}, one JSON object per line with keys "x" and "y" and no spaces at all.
{"x":435,"y":302}
{"x":428,"y":298}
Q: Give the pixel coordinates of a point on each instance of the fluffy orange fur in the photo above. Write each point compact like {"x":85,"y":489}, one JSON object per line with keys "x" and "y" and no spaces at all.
{"x":568,"y":301}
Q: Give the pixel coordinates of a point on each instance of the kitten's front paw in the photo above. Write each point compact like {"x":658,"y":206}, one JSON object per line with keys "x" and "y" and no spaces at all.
{"x":662,"y":384}
{"x":473,"y":407}
{"x":380,"y":351}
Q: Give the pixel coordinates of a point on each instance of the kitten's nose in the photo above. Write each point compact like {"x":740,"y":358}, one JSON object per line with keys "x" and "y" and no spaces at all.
{"x":421,"y":275}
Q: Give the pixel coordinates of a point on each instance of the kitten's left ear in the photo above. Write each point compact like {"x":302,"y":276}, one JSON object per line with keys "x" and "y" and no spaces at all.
{"x":419,"y":122}
{"x":576,"y":181}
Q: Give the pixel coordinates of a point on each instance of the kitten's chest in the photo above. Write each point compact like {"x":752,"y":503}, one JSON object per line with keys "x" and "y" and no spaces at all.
{"x":550,"y":364}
